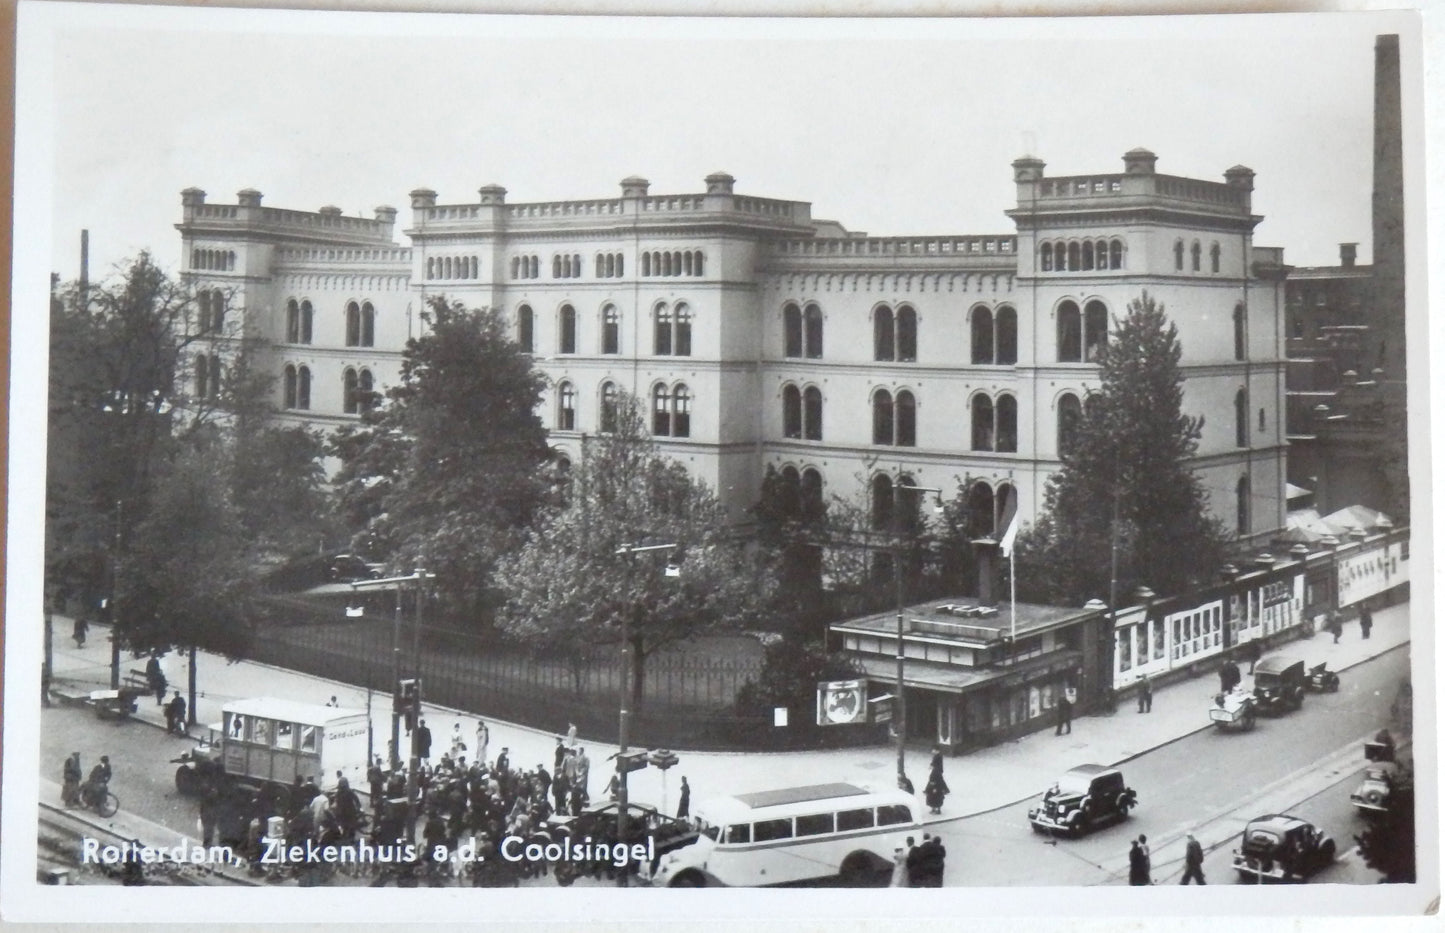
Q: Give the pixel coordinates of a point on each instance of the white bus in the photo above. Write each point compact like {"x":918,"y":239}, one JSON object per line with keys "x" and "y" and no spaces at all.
{"x":797,"y":835}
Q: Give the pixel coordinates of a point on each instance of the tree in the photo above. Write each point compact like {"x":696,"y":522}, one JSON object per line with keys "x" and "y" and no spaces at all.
{"x":1388,"y":844}
{"x":790,"y":677}
{"x":574,"y":584}
{"x":792,"y":526}
{"x":447,"y":471}
{"x":1132,"y":457}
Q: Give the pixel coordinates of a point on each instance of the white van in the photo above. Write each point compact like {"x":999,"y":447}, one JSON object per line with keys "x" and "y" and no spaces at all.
{"x":796,"y":835}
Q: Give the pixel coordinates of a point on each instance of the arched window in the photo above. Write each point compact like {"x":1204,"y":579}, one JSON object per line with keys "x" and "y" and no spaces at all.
{"x":681,"y":411}
{"x":1179,"y":255}
{"x":881,"y":502}
{"x":812,"y":414}
{"x":608,"y":420}
{"x":215,"y":388}
{"x":556,"y":266}
{"x":1006,"y":334}
{"x":1214,"y":258}
{"x":682,"y":343}
{"x":1073,"y":257}
{"x":1261,"y":420}
{"x":647,"y":264}
{"x":218,"y":312}
{"x":611,"y":322}
{"x":516,"y":267}
{"x":293,"y":321}
{"x":1194,"y":254}
{"x":813,"y":332}
{"x":566,"y":407}
{"x":1069,"y":334}
{"x":368,"y":325}
{"x":1087,"y":259}
{"x":792,"y":331}
{"x":303,"y":388}
{"x":1071,"y":413}
{"x":811,"y":493}
{"x":1003,"y":498}
{"x":474,"y":267}
{"x":907,"y":334}
{"x":1096,"y":330}
{"x":883,"y":333}
{"x":687,"y":263}
{"x":981,"y":335}
{"x":618,"y":271}
{"x":524,"y":328}
{"x":533,"y":268}
{"x":662,"y":330}
{"x":792,"y":483}
{"x":203,"y":381}
{"x":906,"y":416}
{"x":306,"y":315}
{"x":1241,"y":419}
{"x":431,"y":267}
{"x":602,"y":262}
{"x":365,"y":391}
{"x":882,"y":417}
{"x":697,"y":263}
{"x":353,"y":324}
{"x":1046,"y":257}
{"x":348,"y":392}
{"x":288,"y":391}
{"x":1239,"y":342}
{"x":1006,"y":415}
{"x":792,"y":411}
{"x":980,"y":510}
{"x":1241,"y":505}
{"x":982,"y":410}
{"x":567,"y":329}
{"x":1116,"y":254}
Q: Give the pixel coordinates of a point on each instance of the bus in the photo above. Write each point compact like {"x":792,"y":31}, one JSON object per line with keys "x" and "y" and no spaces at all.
{"x":821,"y":833}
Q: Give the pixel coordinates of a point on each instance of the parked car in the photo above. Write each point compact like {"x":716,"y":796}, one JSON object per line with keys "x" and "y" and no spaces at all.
{"x":346,"y":568}
{"x":1279,"y":683}
{"x":1233,"y":710}
{"x":1083,"y":798}
{"x":1282,"y":848}
{"x":1322,"y":679}
{"x":1378,"y":783}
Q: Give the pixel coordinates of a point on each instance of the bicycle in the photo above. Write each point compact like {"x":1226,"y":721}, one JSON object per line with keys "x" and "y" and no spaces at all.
{"x":102,"y":800}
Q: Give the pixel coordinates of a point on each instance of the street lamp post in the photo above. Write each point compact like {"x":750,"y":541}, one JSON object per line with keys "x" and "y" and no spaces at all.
{"x":624,"y":712}
{"x":900,"y":722}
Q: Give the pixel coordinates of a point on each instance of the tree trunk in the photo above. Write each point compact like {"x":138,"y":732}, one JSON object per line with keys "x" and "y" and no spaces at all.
{"x":191,"y":687}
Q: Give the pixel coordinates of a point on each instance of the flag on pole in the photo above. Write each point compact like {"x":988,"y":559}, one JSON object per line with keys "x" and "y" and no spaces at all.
{"x":1010,"y":519}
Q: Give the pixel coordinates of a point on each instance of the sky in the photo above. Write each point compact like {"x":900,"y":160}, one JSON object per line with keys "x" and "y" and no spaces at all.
{"x":903,"y":127}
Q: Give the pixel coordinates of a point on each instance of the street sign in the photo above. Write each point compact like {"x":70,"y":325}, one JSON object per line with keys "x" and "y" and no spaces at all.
{"x":880,"y":709}
{"x":632,"y":761}
{"x":841,"y":701}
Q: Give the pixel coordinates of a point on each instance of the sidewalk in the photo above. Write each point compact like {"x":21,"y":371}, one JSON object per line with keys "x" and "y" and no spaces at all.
{"x":997,"y":776}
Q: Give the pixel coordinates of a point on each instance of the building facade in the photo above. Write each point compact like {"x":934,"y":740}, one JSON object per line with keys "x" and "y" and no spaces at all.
{"x":758,"y":336}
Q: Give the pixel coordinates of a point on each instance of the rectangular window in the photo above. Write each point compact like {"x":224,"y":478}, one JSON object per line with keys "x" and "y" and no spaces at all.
{"x":815,"y":824}
{"x":893,"y":814}
{"x":855,"y":819}
{"x":768,"y":830}
{"x":739,"y":833}
{"x":283,"y":735}
{"x":308,"y":738}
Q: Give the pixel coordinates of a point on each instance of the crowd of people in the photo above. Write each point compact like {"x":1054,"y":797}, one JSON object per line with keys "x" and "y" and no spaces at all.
{"x":921,"y":865}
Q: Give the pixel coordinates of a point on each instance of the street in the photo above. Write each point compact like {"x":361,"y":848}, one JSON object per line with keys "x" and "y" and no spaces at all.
{"x":1207,"y":782}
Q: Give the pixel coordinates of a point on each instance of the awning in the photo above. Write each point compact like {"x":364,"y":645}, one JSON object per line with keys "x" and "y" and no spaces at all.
{"x":951,"y":678}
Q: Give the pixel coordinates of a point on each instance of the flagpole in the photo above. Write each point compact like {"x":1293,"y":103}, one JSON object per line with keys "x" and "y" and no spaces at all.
{"x":1013,"y":603}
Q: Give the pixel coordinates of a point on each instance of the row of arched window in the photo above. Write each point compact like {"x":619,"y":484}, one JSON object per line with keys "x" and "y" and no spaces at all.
{"x":360,"y":322}
{"x":802,"y":413}
{"x":566,"y":266}
{"x":1195,"y":254}
{"x":215,"y":260}
{"x":298,"y":320}
{"x":211,"y":311}
{"x":1081,"y":256}
{"x":1081,"y":336}
{"x":296,"y":388}
{"x":802,"y":331}
{"x":609,"y":265}
{"x":358,"y":389}
{"x":452,"y":267}
{"x":672,"y":329}
{"x":984,"y":506}
{"x":895,"y":335}
{"x":208,"y":376}
{"x":895,"y":420}
{"x":525,"y":267}
{"x":688,"y":262}
{"x":671,"y":408}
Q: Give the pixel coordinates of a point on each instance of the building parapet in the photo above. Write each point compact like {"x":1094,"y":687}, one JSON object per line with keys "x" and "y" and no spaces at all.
{"x":1092,"y":187}
{"x":395,"y":254}
{"x":935,"y":247}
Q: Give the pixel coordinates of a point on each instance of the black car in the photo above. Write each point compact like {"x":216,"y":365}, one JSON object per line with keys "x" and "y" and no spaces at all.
{"x":1279,"y":683}
{"x":599,"y":824}
{"x":1082,"y":799}
{"x":346,"y":568}
{"x":1282,"y":848}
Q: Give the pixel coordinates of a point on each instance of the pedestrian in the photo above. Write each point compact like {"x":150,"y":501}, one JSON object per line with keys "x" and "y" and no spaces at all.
{"x":1146,"y":694}
{"x":569,"y":767}
{"x":584,"y":769}
{"x":1229,"y":676}
{"x":503,"y":760}
{"x":559,"y":791}
{"x":176,"y":715}
{"x":79,"y":630}
{"x":70,"y":790}
{"x":684,"y":799}
{"x":376,"y":781}
{"x":934,"y":853}
{"x":484,"y":737}
{"x":1335,"y":626}
{"x":1252,"y":652}
{"x":614,"y":787}
{"x":210,"y":809}
{"x":459,"y":745}
{"x":156,"y":679}
{"x":900,"y":869}
{"x":422,"y":741}
{"x":559,"y":754}
{"x":1063,"y":716}
{"x":1367,"y":622}
{"x":1148,"y":863}
{"x":1138,"y":864}
{"x":1193,"y":860}
{"x":934,"y":791}
{"x":914,"y":863}
{"x":571,"y":734}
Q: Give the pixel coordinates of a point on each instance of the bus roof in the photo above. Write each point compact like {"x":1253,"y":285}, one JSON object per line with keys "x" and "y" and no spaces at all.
{"x":797,"y":801}
{"x":309,"y":714}
{"x":776,"y":798}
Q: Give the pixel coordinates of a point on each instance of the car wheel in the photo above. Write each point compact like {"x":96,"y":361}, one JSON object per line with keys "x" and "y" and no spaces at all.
{"x":1122,"y":804}
{"x":1249,"y":720}
{"x":1075,"y":823}
{"x":186,"y":781}
{"x":1327,"y":852}
{"x":688,"y":879}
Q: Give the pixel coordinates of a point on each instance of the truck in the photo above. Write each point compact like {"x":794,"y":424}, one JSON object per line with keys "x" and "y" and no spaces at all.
{"x":263,"y":742}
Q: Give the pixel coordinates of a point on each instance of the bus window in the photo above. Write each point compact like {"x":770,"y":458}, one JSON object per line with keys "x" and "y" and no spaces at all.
{"x":815,"y":824}
{"x":767,"y":830}
{"x":855,"y":819}
{"x":238,"y":725}
{"x":283,"y":735}
{"x":308,"y":738}
{"x":261,"y":731}
{"x":739,"y":832}
{"x":894,"y":813}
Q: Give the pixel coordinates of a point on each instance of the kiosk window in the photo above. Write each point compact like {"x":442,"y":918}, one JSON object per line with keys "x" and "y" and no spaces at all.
{"x":894,"y":813}
{"x":238,"y":726}
{"x":284,"y":735}
{"x":765,"y":830}
{"x":855,"y":819}
{"x":261,"y":731}
{"x":308,"y":738}
{"x":815,"y":824}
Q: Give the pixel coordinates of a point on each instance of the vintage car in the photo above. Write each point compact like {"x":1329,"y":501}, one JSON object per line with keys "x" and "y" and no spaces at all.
{"x":1373,"y":795}
{"x":1282,"y":848}
{"x":1234,"y":709}
{"x":1083,"y":798}
{"x":1323,"y":680}
{"x":1279,"y":683}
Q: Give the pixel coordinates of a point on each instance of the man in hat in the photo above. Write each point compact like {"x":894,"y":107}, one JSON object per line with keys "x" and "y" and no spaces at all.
{"x":1193,"y":860}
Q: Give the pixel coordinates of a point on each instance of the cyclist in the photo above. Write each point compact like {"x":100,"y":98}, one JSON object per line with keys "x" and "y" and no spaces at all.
{"x":95,"y":787}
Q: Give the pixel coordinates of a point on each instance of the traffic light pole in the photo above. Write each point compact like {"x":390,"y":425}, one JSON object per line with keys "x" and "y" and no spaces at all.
{"x":396,"y":685}
{"x":414,"y":762}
